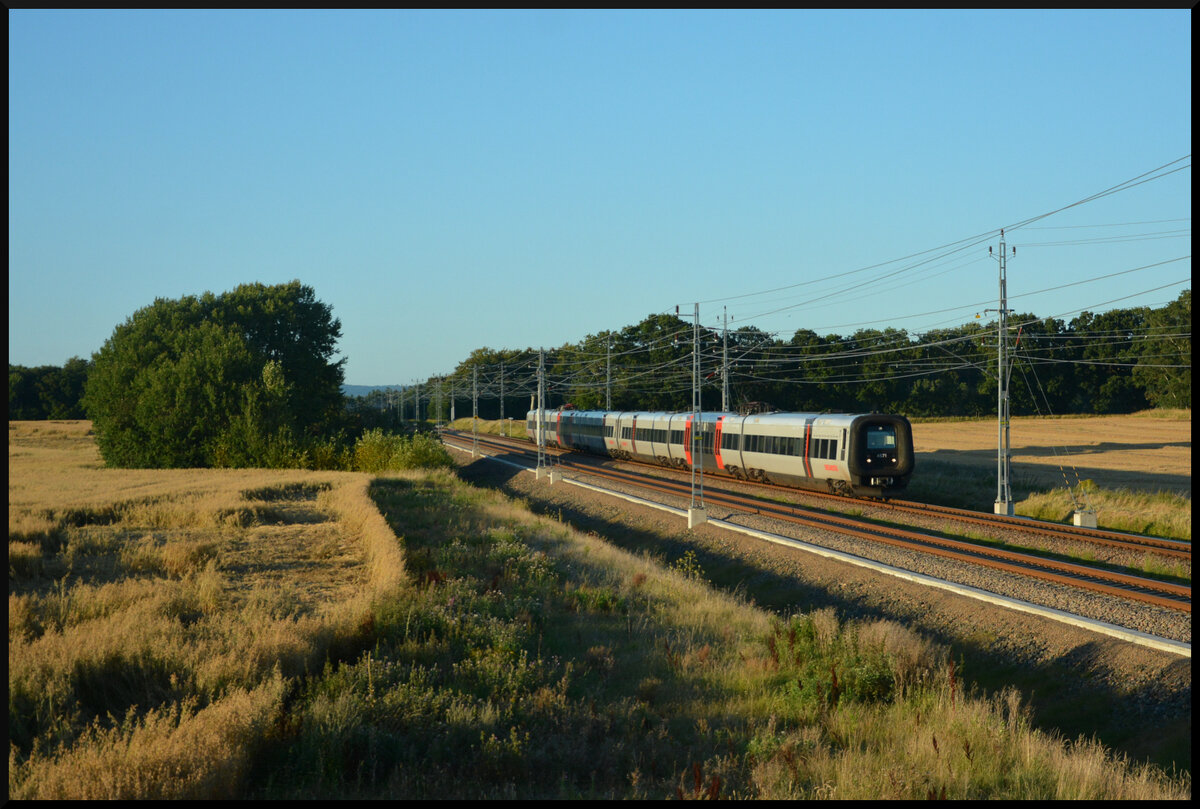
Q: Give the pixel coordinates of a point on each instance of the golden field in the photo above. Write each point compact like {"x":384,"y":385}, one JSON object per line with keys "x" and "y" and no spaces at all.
{"x":1147,"y":452}
{"x":205,"y":634}
{"x":200,"y":590}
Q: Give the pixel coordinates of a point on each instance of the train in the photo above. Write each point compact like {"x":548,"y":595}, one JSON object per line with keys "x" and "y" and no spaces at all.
{"x":864,"y":455}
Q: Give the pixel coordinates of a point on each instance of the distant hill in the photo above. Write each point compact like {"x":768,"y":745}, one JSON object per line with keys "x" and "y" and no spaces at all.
{"x":363,"y":390}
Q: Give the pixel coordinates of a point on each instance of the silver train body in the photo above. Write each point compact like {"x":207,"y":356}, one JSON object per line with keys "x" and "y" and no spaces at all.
{"x":867,"y":454}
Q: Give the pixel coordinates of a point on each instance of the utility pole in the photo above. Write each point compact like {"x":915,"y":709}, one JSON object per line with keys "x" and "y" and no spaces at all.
{"x":1003,"y":504}
{"x":542,"y":470}
{"x":696,"y":514}
{"x":474,"y":410}
{"x":725,"y":362}
{"x":608,"y":375}
{"x":541,"y":412}
{"x":502,"y":396}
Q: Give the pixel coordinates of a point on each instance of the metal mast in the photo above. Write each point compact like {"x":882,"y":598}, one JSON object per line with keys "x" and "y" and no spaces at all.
{"x":474,"y":410}
{"x":608,"y":376}
{"x":696,"y":515}
{"x":541,"y":412}
{"x":1003,"y":504}
{"x":725,"y":362}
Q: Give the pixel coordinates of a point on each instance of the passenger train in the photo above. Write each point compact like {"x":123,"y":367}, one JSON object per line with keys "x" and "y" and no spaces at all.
{"x":867,"y":454}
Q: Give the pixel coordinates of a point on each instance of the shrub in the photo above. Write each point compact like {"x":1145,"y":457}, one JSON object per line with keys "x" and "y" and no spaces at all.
{"x":376,"y":452}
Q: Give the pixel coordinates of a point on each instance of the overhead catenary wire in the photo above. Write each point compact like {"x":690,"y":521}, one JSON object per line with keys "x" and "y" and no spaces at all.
{"x":578,"y":365}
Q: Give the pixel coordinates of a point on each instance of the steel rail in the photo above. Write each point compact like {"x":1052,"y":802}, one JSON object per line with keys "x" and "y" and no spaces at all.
{"x":1124,"y":585}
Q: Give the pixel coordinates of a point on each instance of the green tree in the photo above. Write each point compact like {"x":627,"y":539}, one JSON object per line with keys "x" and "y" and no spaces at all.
{"x":1111,"y":348}
{"x":285,"y":323}
{"x":23,"y":402}
{"x":216,"y":380}
{"x":1164,"y":369}
{"x":48,"y":391}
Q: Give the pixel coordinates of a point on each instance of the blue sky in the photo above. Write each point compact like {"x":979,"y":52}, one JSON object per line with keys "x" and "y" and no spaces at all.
{"x":447,"y":181}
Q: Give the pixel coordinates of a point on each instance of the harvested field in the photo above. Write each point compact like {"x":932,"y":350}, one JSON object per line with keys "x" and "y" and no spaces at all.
{"x":1145,"y":452}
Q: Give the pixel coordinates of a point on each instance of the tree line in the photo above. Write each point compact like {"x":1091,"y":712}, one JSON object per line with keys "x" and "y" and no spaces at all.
{"x":248,"y":377}
{"x":1118,"y":361}
{"x":47,"y":391}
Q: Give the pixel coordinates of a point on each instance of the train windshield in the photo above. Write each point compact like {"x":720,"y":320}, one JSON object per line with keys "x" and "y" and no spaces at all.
{"x":881,"y":438}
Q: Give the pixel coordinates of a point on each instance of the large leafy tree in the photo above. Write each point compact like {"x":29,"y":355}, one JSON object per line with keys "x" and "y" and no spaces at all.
{"x":202,"y":381}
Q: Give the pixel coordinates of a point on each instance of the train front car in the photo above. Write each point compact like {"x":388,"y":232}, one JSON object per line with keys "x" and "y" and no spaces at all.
{"x":835,"y":452}
{"x":880,"y":459}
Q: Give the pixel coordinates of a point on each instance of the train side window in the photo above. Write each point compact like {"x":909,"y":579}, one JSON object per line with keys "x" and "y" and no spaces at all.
{"x":843,"y":443}
{"x":833,"y":449}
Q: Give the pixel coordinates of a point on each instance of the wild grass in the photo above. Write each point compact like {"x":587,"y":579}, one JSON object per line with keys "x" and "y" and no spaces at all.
{"x":528,"y":660}
{"x":1163,"y":514}
{"x":326,"y":635}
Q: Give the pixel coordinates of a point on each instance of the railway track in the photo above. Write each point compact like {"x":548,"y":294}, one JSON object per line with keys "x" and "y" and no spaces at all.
{"x":1169,"y":549}
{"x":1095,"y":578}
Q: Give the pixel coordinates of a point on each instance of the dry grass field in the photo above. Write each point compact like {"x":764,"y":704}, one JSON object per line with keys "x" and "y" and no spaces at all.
{"x":200,"y":633}
{"x":1146,"y":452}
{"x":155,"y":616}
